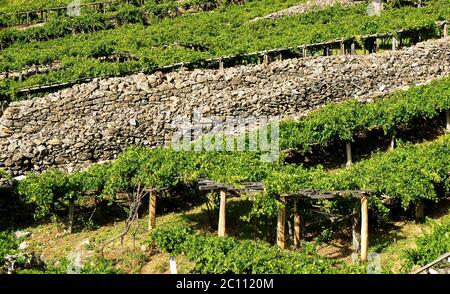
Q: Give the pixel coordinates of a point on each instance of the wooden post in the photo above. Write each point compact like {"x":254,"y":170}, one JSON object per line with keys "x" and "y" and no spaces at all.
{"x":445,"y":30}
{"x":152,"y":210}
{"x":394,"y":43}
{"x":364,"y":227}
{"x":304,"y":52}
{"x":280,"y":57}
{"x":221,"y":65}
{"x":281,"y":227}
{"x":392,"y":145}
{"x":353,"y":48}
{"x":419,"y":213}
{"x":28,"y":18}
{"x":71,"y":215}
{"x":448,"y":120}
{"x":266,"y":59}
{"x":222,"y":213}
{"x":348,"y":148}
{"x":342,"y":48}
{"x":297,"y":225}
{"x":356,"y":236}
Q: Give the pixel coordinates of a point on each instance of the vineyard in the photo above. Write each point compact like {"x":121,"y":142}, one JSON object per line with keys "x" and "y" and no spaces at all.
{"x":357,"y":183}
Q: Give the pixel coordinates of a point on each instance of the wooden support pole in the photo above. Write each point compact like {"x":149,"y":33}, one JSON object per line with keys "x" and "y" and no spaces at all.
{"x":221,"y":65}
{"x":266,"y":59}
{"x":392,"y":145}
{"x":356,"y":236}
{"x":71,"y":215}
{"x":353,"y":48}
{"x":448,"y":120}
{"x":445,"y":30}
{"x":394,"y":43}
{"x":419,"y":212}
{"x":364,"y":227}
{"x":297,"y":225}
{"x":304,"y":52}
{"x":348,"y":148}
{"x":342,"y":48}
{"x":281,"y":228}
{"x":280,"y":57}
{"x":152,"y":211}
{"x":222,"y":213}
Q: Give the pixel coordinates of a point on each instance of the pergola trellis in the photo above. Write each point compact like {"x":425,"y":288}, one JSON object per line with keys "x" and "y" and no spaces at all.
{"x":256,"y":187}
{"x":208,"y":185}
{"x":362,"y":195}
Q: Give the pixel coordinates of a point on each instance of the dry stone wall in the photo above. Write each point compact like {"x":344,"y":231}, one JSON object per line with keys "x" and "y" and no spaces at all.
{"x":96,"y":121}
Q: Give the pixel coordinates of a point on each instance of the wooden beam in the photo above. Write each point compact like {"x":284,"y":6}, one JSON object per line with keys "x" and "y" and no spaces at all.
{"x":222,"y":213}
{"x":152,"y":211}
{"x":445,"y":30}
{"x":297,"y":225}
{"x":364,"y":228}
{"x":348,"y":149}
{"x":281,"y":227}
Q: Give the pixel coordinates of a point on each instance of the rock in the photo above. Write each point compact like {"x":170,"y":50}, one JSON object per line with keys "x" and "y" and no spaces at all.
{"x":96,"y":121}
{"x":54,"y":142}
{"x":22,"y":234}
{"x":23,"y":245}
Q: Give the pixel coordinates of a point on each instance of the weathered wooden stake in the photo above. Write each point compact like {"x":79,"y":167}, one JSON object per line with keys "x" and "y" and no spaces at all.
{"x":304,"y":52}
{"x":266,"y":59}
{"x":364,"y":228}
{"x":394,"y":43}
{"x":221,"y":65}
{"x":222,"y":213}
{"x":71,"y":215}
{"x":152,"y":211}
{"x":392,"y":145}
{"x":356,"y":236}
{"x":353,"y":48}
{"x":297,"y":225}
{"x":342,"y":48}
{"x":348,"y":148}
{"x":419,"y":213}
{"x":281,"y":228}
{"x":445,"y":30}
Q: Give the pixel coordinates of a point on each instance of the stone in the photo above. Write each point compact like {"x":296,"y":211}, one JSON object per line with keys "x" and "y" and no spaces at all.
{"x":96,"y":121}
{"x":22,"y":234}
{"x":23,"y":245}
{"x":53,"y":142}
